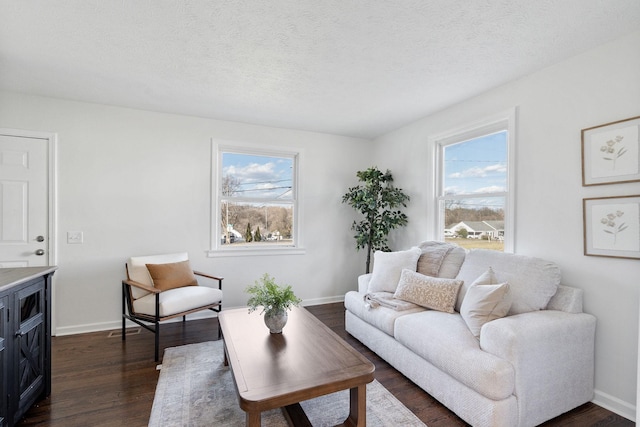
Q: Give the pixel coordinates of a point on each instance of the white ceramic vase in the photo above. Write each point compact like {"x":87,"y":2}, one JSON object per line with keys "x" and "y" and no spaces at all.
{"x":275,"y":320}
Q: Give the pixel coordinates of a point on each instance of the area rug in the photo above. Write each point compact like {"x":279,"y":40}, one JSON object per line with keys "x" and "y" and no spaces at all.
{"x":196,"y":389}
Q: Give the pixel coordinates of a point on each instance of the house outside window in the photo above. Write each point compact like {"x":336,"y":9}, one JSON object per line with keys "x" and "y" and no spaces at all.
{"x":256,"y":199}
{"x":474,"y":184}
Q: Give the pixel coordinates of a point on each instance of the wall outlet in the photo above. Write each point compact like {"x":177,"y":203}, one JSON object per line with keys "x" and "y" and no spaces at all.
{"x":74,"y":237}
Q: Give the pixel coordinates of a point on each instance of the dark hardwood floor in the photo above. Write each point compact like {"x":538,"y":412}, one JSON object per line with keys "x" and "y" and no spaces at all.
{"x":100,"y":381}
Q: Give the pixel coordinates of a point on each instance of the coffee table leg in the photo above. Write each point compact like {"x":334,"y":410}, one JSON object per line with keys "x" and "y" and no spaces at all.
{"x":357,"y":407}
{"x":225,"y":362}
{"x":253,"y":419}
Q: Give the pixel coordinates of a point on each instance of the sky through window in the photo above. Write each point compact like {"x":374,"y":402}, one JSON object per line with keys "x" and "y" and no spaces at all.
{"x":262,"y":177}
{"x":476,"y":166}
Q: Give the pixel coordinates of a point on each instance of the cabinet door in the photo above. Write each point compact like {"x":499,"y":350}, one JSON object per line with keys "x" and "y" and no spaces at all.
{"x":4,"y":333}
{"x":29,"y":345}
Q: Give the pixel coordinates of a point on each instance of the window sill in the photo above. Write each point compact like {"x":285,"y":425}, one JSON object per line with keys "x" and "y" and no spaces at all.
{"x":219,"y":253}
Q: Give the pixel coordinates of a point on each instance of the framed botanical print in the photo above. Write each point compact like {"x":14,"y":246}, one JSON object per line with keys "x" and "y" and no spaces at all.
{"x":611,"y":153}
{"x":612,"y":226}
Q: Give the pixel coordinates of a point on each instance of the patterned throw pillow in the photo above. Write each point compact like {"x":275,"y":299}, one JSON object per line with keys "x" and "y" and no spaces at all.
{"x":429,"y":292}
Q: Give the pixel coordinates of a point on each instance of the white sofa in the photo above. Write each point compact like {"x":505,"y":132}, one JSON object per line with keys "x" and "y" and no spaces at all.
{"x":527,"y":367}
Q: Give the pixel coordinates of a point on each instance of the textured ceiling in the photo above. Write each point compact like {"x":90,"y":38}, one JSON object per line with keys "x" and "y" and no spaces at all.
{"x":357,"y":68}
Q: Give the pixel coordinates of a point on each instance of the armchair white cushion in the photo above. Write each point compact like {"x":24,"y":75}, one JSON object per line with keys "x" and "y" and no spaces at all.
{"x":178,"y":300}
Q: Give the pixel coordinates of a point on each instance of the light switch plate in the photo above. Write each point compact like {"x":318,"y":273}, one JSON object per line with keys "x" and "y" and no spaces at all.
{"x":75,"y":237}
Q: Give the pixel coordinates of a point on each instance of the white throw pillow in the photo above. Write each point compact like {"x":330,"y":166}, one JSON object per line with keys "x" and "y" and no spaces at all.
{"x":484,"y":303}
{"x":387,"y":267}
{"x":487,"y":278}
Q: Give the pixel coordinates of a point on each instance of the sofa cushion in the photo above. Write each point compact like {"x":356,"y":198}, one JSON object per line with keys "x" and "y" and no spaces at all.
{"x":381,"y":317}
{"x":387,"y":267}
{"x":533,"y":281}
{"x":444,"y":340}
{"x":429,"y":292}
{"x":172,"y":275}
{"x":484,"y":303}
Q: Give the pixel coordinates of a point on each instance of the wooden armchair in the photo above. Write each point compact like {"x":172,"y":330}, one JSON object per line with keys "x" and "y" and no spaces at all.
{"x":161,"y":287}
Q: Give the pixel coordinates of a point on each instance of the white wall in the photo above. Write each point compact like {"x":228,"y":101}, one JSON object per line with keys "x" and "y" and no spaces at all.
{"x":138,"y":182}
{"x":597,"y":87}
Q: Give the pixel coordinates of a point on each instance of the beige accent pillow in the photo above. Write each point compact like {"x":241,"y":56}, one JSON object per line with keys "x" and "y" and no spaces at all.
{"x":484,"y":303}
{"x":429,"y":292}
{"x":172,"y":275}
{"x":387,"y":267}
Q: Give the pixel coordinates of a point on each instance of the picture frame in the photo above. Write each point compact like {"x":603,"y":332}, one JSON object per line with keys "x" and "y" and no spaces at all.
{"x":612,"y":226}
{"x":611,"y":153}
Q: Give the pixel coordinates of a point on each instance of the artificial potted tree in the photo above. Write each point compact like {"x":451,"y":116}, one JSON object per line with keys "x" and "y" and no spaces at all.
{"x":379,"y":201}
{"x":275,"y":300}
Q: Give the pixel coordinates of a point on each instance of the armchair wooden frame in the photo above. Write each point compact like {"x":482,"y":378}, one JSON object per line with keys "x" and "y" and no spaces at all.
{"x":144,"y":319}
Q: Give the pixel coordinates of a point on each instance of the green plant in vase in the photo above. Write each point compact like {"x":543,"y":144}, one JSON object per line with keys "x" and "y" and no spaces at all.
{"x":274,"y":299}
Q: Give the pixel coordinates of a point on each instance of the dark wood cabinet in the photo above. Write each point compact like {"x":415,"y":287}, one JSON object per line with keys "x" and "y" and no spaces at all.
{"x":25,"y":340}
{"x":4,"y":332}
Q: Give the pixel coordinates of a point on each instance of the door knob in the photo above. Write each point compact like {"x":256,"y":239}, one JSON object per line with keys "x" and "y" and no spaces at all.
{"x":40,"y":239}
{"x":40,"y":252}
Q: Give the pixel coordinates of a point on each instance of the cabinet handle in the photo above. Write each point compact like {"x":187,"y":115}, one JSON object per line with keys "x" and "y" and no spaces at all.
{"x":40,"y":252}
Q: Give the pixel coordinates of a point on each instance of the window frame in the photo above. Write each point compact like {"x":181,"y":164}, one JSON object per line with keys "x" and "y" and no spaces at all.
{"x":219,"y":147}
{"x":505,"y":121}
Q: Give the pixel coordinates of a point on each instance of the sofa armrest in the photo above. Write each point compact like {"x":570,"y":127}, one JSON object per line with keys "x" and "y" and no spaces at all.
{"x":363,"y":283}
{"x":567,"y":299}
{"x":552,"y":353}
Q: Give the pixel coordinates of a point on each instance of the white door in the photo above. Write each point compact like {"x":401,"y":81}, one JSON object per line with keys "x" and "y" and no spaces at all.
{"x":24,"y":203}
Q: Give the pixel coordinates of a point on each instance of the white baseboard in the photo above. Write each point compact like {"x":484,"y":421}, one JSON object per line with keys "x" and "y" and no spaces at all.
{"x":326,"y":300}
{"x":614,"y":404}
{"x":86,"y":328}
{"x":117,"y":324}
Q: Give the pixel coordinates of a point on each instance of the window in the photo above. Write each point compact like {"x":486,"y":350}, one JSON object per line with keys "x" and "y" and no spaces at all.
{"x":256,"y":199}
{"x":474,"y":185}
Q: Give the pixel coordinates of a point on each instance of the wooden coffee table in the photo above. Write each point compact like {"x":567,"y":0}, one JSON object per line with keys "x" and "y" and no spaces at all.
{"x":280,"y":370}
